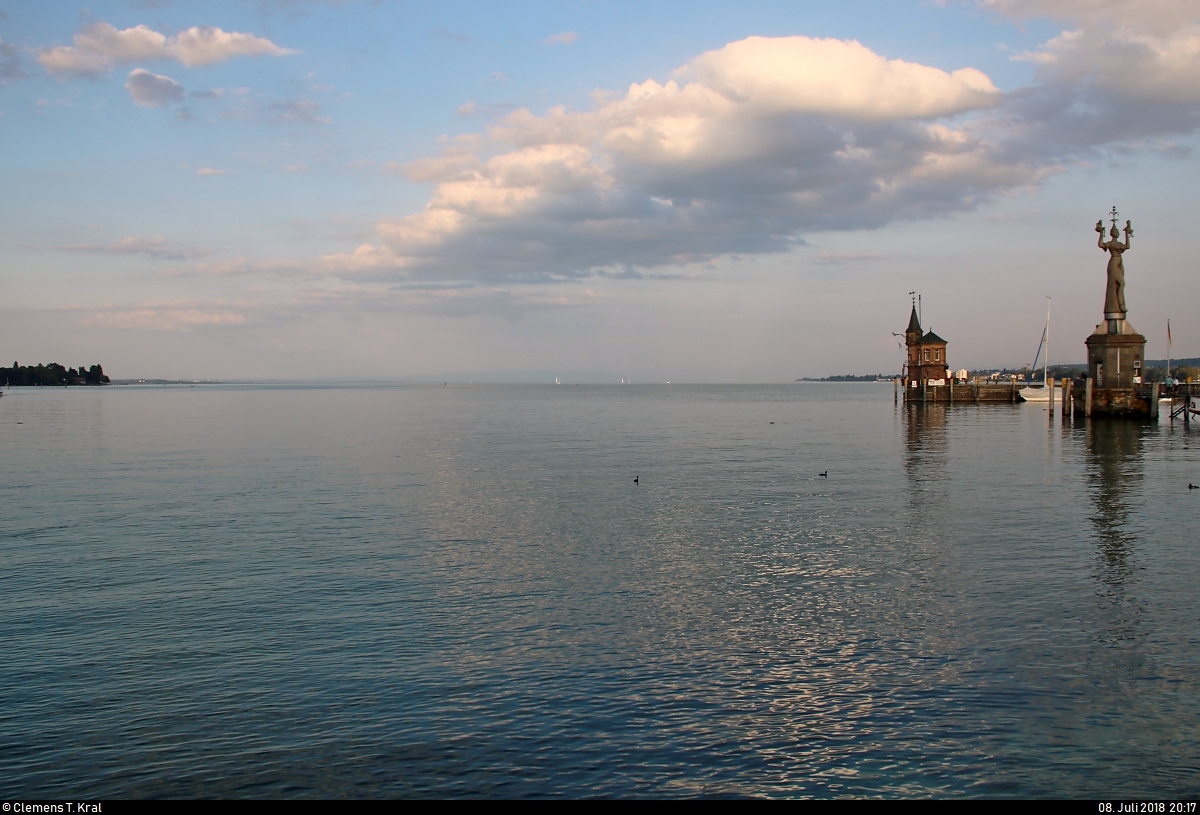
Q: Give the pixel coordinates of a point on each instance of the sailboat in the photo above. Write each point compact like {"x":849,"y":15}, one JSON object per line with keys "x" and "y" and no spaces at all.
{"x":1168,"y":380}
{"x":1040,"y":393}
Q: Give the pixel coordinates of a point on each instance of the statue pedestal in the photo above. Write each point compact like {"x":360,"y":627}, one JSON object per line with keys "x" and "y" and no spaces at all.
{"x":1116,"y":353}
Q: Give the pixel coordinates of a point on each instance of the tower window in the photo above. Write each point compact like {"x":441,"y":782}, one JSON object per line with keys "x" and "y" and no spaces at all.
{"x":926,"y":354}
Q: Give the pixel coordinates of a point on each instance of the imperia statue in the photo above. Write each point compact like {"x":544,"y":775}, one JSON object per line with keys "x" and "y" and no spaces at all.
{"x":1114,"y":292}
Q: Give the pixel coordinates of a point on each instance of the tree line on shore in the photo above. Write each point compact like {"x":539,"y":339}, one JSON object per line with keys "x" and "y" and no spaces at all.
{"x":52,"y":374}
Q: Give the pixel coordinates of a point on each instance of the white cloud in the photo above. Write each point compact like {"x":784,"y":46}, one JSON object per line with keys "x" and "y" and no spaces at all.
{"x":238,"y":267}
{"x":262,"y":308}
{"x":99,"y":47}
{"x":150,"y":247}
{"x":211,"y":171}
{"x":751,"y":144}
{"x":563,"y":38}
{"x":152,"y":90}
{"x":206,"y":45}
{"x":1123,"y":73}
{"x":299,"y":111}
{"x":1136,"y":64}
{"x":176,"y":316}
{"x":835,"y":78}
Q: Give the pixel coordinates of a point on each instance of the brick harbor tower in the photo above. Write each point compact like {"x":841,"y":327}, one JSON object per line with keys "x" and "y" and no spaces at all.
{"x":926,"y":353}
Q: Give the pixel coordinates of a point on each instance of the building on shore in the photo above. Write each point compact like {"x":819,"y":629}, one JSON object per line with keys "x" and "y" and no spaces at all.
{"x":929,"y":378}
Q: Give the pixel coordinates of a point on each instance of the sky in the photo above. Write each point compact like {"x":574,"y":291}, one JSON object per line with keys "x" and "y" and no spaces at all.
{"x":700,"y":191}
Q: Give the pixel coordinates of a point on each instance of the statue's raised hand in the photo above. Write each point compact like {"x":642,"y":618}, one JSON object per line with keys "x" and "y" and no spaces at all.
{"x":1100,"y":227}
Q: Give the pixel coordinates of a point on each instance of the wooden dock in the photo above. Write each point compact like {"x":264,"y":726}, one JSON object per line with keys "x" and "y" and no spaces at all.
{"x":1184,"y":398}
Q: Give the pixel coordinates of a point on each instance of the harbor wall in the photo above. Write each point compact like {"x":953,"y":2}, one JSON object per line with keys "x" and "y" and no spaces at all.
{"x":962,"y":393}
{"x":1124,"y":403}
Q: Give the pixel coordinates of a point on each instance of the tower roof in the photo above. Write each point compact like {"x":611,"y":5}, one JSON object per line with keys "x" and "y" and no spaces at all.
{"x":931,"y":338}
{"x":914,"y":324}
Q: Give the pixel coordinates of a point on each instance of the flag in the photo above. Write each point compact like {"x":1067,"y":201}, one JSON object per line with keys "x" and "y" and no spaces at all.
{"x":1168,"y":333}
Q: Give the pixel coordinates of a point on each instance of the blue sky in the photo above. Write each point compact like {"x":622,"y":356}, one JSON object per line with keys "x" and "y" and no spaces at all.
{"x":700,"y":191}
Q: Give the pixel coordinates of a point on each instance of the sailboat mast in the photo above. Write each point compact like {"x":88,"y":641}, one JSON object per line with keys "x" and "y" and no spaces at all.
{"x":1046,"y":361}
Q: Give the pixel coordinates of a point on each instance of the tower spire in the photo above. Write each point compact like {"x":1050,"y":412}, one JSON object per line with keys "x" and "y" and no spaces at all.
{"x":914,"y":322}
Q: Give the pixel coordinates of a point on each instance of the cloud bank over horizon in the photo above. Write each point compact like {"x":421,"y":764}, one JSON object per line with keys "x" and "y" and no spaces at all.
{"x":748,"y":147}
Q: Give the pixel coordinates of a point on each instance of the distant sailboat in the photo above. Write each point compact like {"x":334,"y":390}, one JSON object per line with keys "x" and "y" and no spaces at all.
{"x":1168,"y":380}
{"x":1041,"y":393}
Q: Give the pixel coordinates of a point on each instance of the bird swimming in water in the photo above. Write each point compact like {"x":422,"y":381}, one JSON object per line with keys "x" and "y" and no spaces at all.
{"x":635,"y":479}
{"x":1192,"y":486}
{"x":824,"y":474}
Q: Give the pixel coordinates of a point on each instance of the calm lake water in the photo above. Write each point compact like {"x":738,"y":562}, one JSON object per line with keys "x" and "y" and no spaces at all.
{"x":235,"y":591}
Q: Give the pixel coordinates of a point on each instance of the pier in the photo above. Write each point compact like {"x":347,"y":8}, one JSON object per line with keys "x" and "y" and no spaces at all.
{"x":1184,"y":397}
{"x":928,"y":378}
{"x":947,"y":391}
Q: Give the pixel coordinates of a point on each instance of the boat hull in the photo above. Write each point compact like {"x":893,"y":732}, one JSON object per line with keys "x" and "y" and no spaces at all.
{"x":1041,"y":394}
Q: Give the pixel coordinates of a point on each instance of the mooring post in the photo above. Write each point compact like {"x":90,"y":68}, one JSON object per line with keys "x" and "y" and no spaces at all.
{"x":1154,"y":401}
{"x":1087,"y":399}
{"x":1067,"y":401}
{"x":1050,"y":393}
{"x":924,"y":390}
{"x":950,"y":384}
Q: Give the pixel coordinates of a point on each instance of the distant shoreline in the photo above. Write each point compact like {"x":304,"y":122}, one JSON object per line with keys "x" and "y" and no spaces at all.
{"x":167,"y":382}
{"x":850,"y":378}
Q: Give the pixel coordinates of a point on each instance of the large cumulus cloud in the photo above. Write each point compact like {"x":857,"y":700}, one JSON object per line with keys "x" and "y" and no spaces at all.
{"x":746,"y":147}
{"x":752,"y":145}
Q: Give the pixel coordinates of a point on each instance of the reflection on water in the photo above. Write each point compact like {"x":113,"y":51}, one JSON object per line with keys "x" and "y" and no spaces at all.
{"x":925,"y":457}
{"x":925,"y":438}
{"x":1114,"y":474}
